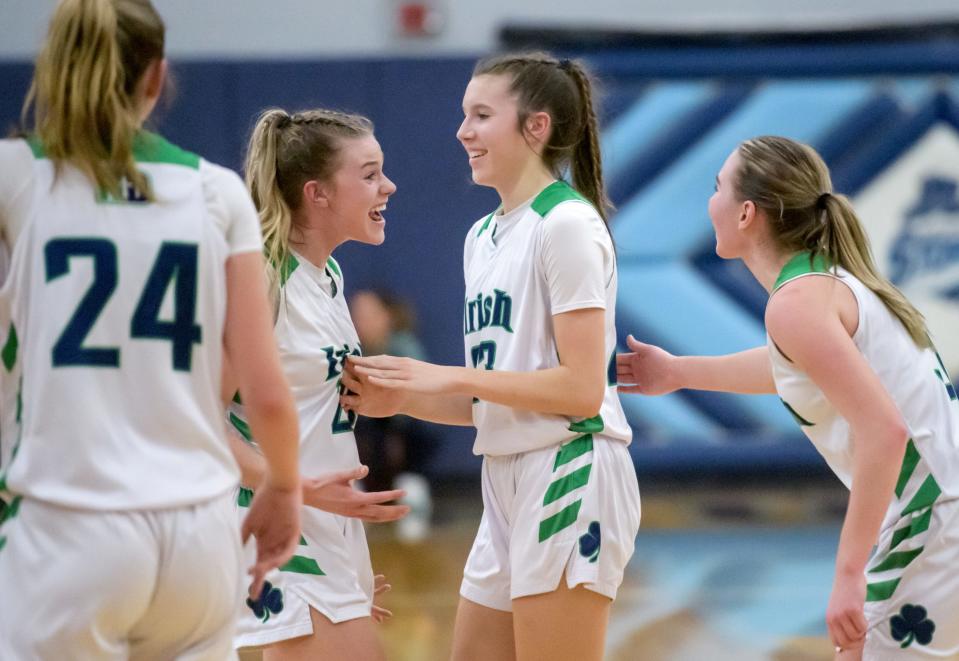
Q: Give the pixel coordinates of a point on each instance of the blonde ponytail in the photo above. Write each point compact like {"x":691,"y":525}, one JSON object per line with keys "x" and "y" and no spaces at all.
{"x":790,"y":182}
{"x":82,"y":95}
{"x":843,"y":241}
{"x":276,"y":217}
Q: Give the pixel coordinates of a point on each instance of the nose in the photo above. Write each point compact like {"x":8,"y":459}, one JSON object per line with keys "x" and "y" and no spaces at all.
{"x":463,"y":133}
{"x":388,"y":186}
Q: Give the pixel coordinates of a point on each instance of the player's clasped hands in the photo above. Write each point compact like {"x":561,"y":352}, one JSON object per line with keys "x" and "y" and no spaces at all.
{"x":646,"y":370}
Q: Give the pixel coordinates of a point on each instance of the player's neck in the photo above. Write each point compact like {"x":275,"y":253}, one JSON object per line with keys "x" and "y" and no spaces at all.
{"x":533,"y":178}
{"x":765,"y":263}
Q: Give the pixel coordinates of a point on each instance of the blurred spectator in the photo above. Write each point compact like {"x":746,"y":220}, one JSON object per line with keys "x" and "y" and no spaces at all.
{"x":396,"y":449}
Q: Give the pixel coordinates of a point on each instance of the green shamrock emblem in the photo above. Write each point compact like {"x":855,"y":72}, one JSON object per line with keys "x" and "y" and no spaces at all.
{"x":270,"y":601}
{"x":589,"y":543}
{"x":911,"y":624}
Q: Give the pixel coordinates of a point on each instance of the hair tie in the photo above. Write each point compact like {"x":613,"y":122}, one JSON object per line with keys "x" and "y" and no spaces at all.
{"x":565,"y":65}
{"x":821,"y":201}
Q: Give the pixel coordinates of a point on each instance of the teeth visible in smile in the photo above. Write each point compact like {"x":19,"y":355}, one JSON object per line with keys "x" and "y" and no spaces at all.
{"x":476,"y":154}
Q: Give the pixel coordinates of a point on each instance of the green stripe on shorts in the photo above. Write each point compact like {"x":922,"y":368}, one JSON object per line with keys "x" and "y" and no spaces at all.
{"x":559,"y":488}
{"x":299,"y":564}
{"x":575,"y":448}
{"x":562,"y":519}
{"x":881,"y":591}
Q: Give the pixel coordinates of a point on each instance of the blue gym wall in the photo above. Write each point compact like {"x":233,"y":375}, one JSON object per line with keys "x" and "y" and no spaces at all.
{"x":671,"y":116}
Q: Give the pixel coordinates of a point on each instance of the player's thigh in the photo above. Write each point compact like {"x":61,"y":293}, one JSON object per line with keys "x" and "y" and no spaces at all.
{"x":482,"y":634}
{"x":566,"y":624}
{"x":355,"y":640}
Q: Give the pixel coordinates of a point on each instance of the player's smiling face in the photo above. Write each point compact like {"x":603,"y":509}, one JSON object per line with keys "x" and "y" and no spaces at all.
{"x":490,"y":133}
{"x":358,"y":191}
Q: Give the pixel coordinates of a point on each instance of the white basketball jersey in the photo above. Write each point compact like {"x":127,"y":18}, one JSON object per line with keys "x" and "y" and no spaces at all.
{"x":551,"y":255}
{"x":113,"y":316}
{"x":914,"y":378}
{"x":315,"y":334}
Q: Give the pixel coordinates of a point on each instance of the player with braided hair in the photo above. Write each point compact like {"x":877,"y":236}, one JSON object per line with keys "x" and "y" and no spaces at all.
{"x":317,"y":181}
{"x":539,"y":338}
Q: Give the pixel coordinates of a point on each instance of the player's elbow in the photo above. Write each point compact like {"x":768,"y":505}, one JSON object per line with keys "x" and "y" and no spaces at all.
{"x":588,"y":400}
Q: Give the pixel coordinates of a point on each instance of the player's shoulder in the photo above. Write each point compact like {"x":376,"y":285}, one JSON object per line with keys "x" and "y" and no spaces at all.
{"x":560,"y":202}
{"x":16,"y":154}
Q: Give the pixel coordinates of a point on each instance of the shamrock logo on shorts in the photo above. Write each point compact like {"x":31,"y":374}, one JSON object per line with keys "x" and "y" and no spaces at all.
{"x":270,"y":601}
{"x":589,"y":543}
{"x":911,"y":624}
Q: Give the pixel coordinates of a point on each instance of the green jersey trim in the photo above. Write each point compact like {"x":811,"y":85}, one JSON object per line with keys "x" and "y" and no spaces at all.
{"x":800,"y":264}
{"x":556,"y":193}
{"x":486,"y":223}
{"x":291,"y":263}
{"x":333,"y":266}
{"x":147,"y":148}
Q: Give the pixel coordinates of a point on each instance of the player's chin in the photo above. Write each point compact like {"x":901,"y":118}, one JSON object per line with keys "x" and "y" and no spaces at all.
{"x":376,"y":234}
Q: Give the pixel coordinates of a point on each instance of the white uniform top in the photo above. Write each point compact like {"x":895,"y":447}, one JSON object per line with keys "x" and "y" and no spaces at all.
{"x":913,"y":377}
{"x":550,"y":255}
{"x":112,"y":328}
{"x":315,"y":334}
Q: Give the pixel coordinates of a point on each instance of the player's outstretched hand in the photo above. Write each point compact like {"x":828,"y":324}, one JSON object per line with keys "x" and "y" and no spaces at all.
{"x":406,"y":374}
{"x":334,"y":492}
{"x":380,"y":586}
{"x":366,"y":398}
{"x":648,"y":370}
{"x":274,"y":521}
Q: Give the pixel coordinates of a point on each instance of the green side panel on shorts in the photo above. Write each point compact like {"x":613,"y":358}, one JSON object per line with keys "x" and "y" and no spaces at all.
{"x":909,"y":462}
{"x":881,"y":591}
{"x":917,"y":525}
{"x":592,"y":425}
{"x":896,"y":560}
{"x":925,"y":497}
{"x":800,"y":264}
{"x":3,"y":542}
{"x":562,"y":519}
{"x":555,"y":193}
{"x":9,"y":352}
{"x":801,"y":421}
{"x":299,"y":564}
{"x":244,"y":497}
{"x":486,"y":223}
{"x":575,"y":448}
{"x":241,"y":426}
{"x":564,"y":485}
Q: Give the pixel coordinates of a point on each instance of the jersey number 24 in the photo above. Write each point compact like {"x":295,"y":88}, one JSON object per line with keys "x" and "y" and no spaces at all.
{"x":175,"y":263}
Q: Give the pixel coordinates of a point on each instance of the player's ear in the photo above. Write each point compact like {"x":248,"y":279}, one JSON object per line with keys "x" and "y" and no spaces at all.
{"x":315,"y":194}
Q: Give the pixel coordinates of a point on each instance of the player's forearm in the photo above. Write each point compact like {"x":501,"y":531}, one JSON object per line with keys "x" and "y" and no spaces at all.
{"x":877,"y":461}
{"x":747,"y":372}
{"x":446,"y":409}
{"x":252,"y":464}
{"x":275,"y":426}
{"x":560,"y":390}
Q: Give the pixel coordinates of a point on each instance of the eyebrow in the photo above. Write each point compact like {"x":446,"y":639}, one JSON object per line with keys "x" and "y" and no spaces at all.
{"x":478,"y":105}
{"x":368,"y":163}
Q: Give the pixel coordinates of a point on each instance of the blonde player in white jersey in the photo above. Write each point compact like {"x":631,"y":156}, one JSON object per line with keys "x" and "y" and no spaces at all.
{"x":134,"y":264}
{"x":852,"y":361}
{"x":559,"y":489}
{"x":317,"y":180}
